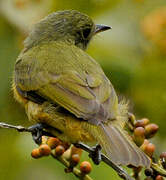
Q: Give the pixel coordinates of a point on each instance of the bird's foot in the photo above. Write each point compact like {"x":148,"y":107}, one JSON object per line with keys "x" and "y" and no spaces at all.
{"x":37,"y":132}
{"x":95,"y":154}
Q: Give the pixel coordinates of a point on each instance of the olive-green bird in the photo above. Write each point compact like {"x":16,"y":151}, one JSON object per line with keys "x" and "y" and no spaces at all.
{"x":60,"y":85}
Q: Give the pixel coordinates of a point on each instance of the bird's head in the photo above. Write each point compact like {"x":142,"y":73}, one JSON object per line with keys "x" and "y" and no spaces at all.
{"x":70,"y":26}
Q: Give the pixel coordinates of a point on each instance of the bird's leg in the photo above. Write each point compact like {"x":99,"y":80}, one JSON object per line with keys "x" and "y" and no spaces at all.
{"x":37,"y":132}
{"x":103,"y":158}
{"x":94,"y":152}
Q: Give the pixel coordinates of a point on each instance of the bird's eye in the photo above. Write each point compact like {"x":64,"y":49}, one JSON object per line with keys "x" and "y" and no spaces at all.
{"x":86,"y":33}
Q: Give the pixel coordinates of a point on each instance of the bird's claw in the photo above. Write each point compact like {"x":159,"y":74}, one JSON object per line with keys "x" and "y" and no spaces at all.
{"x":95,"y":154}
{"x":37,"y":132}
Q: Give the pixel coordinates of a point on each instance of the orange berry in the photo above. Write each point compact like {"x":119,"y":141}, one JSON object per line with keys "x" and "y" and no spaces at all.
{"x":149,"y":149}
{"x":139,"y":131}
{"x":150,"y":130}
{"x":59,"y":150}
{"x":139,"y":135}
{"x":163,"y":155}
{"x":75,"y":158}
{"x":142,"y":123}
{"x":159,"y":177}
{"x":85,"y":167}
{"x":145,"y":143}
{"x":35,"y":153}
{"x":53,"y":142}
{"x":44,"y":150}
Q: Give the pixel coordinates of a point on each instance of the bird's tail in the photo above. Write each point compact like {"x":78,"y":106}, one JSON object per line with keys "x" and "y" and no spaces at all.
{"x":116,"y":142}
{"x":119,"y":146}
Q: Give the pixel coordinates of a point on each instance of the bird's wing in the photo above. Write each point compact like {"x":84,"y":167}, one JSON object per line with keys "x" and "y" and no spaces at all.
{"x":82,"y":89}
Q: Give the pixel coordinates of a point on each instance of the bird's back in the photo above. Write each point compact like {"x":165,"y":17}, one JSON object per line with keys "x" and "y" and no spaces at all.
{"x":72,"y":68}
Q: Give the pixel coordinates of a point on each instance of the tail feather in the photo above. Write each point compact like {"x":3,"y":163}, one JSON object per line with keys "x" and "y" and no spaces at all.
{"x":119,"y":146}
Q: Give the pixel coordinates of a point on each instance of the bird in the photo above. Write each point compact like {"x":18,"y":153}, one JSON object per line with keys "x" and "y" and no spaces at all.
{"x":61,"y":86}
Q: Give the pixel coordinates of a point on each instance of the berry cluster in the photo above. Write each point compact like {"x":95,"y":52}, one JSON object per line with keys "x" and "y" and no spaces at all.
{"x":70,"y":155}
{"x":141,"y":131}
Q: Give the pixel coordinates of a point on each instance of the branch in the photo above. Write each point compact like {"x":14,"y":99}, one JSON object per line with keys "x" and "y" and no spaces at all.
{"x":61,"y":159}
{"x":86,"y":148}
{"x":157,"y":169}
{"x":118,"y":169}
{"x":110,"y":163}
{"x":18,"y":128}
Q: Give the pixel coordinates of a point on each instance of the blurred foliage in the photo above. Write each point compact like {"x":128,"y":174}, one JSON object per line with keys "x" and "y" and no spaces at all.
{"x":132,"y":55}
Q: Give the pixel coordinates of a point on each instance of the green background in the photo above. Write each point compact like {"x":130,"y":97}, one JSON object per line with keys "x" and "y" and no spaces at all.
{"x":132,"y":54}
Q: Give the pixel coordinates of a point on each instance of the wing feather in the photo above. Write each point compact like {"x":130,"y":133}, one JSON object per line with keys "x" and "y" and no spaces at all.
{"x":80,"y":85}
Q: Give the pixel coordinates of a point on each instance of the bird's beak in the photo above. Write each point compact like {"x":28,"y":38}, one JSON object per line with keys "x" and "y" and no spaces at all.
{"x":101,"y":28}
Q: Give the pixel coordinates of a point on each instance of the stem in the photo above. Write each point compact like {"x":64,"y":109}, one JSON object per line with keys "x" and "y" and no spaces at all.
{"x":18,"y":128}
{"x":159,"y":169}
{"x":117,"y":168}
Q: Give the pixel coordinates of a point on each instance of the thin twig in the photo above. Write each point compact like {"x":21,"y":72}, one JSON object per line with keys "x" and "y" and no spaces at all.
{"x":117,"y":168}
{"x":158,"y":169}
{"x":18,"y":128}
{"x":22,"y":129}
